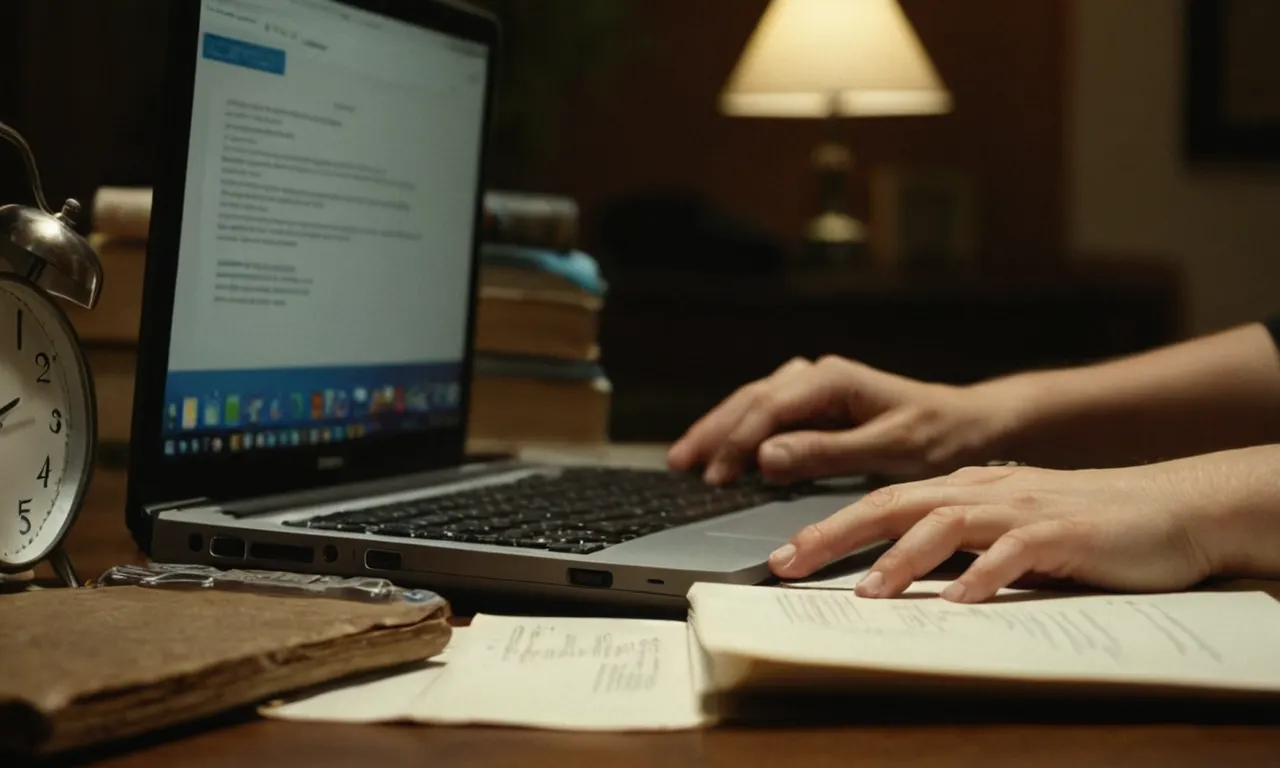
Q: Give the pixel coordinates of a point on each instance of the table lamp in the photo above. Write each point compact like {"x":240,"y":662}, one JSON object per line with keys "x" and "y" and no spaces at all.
{"x":832,"y":59}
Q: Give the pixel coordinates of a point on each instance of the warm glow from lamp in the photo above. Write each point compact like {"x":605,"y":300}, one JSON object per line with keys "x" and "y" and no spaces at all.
{"x":832,"y":59}
{"x":815,"y":58}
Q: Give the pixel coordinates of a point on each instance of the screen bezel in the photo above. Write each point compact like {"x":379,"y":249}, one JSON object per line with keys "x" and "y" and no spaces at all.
{"x":155,"y":479}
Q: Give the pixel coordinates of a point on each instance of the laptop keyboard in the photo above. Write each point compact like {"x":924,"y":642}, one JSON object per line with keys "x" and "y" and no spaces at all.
{"x":579,"y":510}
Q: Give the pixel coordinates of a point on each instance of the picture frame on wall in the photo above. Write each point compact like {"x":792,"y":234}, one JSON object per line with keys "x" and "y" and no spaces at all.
{"x":1232,"y":88}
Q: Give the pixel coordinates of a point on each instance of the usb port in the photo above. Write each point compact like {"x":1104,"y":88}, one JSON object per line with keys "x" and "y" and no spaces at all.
{"x":381,"y":560}
{"x":582,"y":577}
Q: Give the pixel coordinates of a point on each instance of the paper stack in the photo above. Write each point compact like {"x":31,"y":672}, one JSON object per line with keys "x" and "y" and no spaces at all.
{"x":740,"y":641}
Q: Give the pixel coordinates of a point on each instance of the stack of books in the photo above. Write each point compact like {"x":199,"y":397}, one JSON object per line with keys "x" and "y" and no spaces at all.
{"x":121,"y":219}
{"x":537,"y":377}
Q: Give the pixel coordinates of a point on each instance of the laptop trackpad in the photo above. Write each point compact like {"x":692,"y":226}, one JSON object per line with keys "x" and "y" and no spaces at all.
{"x":779,"y":522}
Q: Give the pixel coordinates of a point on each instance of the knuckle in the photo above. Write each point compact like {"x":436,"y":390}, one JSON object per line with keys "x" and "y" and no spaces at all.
{"x":832,"y":362}
{"x":794,"y":363}
{"x":978,"y":475}
{"x":1073,"y":529}
{"x":946,"y":517}
{"x":883,"y":497}
{"x":814,"y":536}
{"x":1025,"y":501}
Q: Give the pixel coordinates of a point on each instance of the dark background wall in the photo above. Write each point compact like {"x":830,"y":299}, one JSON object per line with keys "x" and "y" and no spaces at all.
{"x":89,"y":72}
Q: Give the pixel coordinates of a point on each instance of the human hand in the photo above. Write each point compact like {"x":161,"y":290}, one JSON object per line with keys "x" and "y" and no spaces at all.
{"x":1146,"y":528}
{"x":875,"y":422}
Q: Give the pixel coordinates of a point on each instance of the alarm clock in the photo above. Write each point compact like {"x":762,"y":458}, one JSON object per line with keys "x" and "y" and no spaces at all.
{"x":48,"y":419}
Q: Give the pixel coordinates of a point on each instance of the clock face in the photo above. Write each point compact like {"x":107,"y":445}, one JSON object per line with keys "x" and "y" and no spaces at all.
{"x":46,"y":429}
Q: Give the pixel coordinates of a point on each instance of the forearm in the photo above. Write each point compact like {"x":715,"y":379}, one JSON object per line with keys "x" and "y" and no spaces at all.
{"x":1236,"y":510}
{"x":1208,"y":394}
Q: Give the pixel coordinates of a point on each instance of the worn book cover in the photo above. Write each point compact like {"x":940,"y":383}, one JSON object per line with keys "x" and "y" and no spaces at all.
{"x":91,"y":665}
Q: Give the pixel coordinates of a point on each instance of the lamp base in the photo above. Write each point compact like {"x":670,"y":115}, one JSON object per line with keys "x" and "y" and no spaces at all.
{"x":834,"y":236}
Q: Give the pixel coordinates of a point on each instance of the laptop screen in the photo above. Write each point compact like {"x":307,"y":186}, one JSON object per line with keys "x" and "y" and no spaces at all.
{"x":324,"y":260}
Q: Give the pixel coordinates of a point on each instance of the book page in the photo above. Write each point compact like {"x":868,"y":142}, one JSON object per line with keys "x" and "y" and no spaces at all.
{"x":1224,"y":640}
{"x":568,"y":673}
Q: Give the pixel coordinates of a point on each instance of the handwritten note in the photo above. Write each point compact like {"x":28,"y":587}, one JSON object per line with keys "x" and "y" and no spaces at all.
{"x":573,"y":674}
{"x":1181,"y":639}
{"x":568,"y":673}
{"x":625,"y":664}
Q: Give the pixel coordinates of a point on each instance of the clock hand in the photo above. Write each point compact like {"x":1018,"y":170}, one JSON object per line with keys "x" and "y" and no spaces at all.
{"x":4,"y":409}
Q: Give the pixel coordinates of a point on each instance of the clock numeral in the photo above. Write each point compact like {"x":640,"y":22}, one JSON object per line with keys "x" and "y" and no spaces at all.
{"x":42,"y":360}
{"x":22,"y":515}
{"x":56,"y":425}
{"x":19,"y":330}
{"x":44,"y":472}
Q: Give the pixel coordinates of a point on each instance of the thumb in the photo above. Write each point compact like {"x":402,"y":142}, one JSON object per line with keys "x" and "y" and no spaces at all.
{"x":874,"y":447}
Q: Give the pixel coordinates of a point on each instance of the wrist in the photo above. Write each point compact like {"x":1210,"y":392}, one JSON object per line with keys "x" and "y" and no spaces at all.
{"x":1235,"y":510}
{"x":1012,"y":406}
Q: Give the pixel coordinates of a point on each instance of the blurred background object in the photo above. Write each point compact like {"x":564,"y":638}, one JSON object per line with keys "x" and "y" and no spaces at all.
{"x":832,"y":59}
{"x":1055,"y":214}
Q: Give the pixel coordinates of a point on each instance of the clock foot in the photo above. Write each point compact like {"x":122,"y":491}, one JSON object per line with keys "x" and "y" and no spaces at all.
{"x":62,"y":566}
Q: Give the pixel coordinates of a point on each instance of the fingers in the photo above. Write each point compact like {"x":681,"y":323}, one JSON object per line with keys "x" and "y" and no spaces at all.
{"x":877,"y":446}
{"x":936,"y":537}
{"x":792,"y":397}
{"x":1053,"y":547}
{"x":882,"y":514}
{"x":702,"y":439}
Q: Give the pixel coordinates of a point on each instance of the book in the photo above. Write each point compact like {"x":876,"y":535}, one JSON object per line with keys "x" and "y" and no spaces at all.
{"x":573,"y":267}
{"x":114,"y":369}
{"x":547,"y":323}
{"x":746,"y":644}
{"x":517,"y":400}
{"x":123,"y":212}
{"x":532,"y":219}
{"x":91,"y":665}
{"x":776,"y":640}
{"x":118,"y":316}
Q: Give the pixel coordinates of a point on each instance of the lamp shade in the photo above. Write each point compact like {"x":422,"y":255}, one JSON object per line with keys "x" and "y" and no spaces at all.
{"x":818,"y":58}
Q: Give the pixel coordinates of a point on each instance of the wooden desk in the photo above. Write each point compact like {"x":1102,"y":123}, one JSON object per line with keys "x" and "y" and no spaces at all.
{"x":101,"y":540}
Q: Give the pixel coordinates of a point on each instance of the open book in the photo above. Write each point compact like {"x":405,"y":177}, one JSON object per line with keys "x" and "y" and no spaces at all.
{"x":1198,"y":643}
{"x":635,"y":675}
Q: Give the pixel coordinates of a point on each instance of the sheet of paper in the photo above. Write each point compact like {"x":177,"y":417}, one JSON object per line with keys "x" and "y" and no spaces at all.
{"x":569,"y":673}
{"x":384,"y":698}
{"x":574,"y":674}
{"x":1199,"y":638}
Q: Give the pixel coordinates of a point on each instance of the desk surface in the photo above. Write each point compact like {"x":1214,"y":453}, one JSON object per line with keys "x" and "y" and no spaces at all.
{"x":100,"y":541}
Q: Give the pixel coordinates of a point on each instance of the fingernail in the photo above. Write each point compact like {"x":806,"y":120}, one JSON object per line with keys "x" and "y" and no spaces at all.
{"x":783,"y":555}
{"x":871,"y":585}
{"x":776,"y":455}
{"x":954,"y":592}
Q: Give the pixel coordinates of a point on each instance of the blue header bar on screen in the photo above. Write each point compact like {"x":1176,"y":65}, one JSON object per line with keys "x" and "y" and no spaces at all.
{"x":243,"y":54}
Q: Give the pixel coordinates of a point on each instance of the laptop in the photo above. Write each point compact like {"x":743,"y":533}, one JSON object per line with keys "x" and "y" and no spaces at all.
{"x":305,"y":357}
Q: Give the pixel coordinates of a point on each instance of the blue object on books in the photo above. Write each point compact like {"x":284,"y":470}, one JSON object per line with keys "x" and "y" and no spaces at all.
{"x":575,"y":266}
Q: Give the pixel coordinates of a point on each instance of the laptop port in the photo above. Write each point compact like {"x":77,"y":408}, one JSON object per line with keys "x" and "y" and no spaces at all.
{"x":227,"y":546}
{"x":582,"y":577}
{"x":261,"y":550}
{"x":381,"y":560}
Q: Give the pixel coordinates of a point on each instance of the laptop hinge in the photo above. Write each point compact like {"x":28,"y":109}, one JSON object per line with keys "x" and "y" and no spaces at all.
{"x":152,"y":511}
